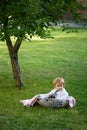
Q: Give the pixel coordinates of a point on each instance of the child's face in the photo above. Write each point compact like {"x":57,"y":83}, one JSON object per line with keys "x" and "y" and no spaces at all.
{"x":58,"y":86}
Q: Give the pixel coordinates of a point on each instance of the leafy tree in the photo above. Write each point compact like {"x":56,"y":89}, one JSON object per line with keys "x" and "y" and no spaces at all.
{"x":31,"y":17}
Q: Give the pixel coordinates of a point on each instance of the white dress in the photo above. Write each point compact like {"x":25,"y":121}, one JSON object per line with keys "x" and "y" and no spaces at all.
{"x":60,"y":95}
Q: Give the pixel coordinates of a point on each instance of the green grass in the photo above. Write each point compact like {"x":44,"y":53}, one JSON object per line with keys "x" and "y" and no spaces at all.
{"x":41,"y":61}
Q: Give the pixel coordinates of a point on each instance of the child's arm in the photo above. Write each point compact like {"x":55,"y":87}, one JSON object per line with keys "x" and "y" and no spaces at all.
{"x":52,"y":92}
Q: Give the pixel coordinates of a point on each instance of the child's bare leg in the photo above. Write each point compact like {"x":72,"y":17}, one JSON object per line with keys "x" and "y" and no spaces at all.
{"x":30,"y":102}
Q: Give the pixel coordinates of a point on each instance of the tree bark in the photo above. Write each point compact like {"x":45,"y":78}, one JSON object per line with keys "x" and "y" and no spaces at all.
{"x":16,"y":69}
{"x":13,"y":52}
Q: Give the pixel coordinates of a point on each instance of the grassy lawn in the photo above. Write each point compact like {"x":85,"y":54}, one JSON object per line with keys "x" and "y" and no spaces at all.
{"x":41,"y":61}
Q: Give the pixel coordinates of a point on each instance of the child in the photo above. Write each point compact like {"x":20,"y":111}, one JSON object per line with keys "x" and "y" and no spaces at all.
{"x":58,"y":97}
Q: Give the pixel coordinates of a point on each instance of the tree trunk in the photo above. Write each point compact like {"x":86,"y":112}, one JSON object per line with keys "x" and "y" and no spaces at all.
{"x":13,"y":52}
{"x":16,"y":68}
{"x":15,"y":65}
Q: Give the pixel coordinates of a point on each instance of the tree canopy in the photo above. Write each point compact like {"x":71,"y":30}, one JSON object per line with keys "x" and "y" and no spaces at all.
{"x":31,"y":16}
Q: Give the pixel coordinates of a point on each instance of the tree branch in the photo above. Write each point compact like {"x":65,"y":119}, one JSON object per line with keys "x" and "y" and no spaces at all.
{"x":7,"y":36}
{"x":17,"y":44}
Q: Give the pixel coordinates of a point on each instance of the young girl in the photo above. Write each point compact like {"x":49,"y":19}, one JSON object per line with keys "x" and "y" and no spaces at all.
{"x":58,"y":97}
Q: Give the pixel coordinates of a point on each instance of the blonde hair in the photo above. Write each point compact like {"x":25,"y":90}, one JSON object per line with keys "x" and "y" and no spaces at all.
{"x":58,"y":80}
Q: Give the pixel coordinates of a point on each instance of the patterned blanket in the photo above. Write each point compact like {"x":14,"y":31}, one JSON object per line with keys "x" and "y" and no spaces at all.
{"x":49,"y":102}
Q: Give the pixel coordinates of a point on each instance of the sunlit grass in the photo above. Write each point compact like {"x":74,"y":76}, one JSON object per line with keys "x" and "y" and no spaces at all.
{"x":41,"y":61}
